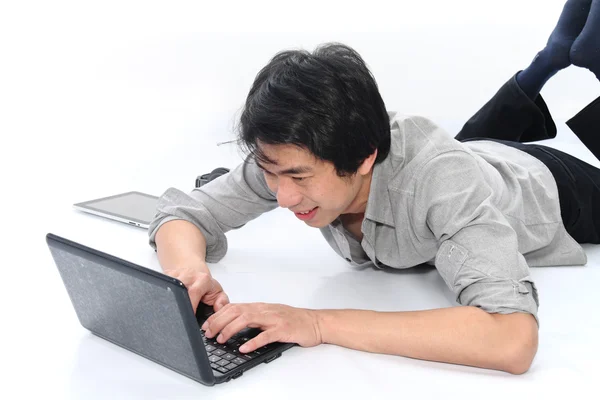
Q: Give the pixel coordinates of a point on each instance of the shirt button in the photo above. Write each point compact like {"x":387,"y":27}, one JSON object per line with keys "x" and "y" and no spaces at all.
{"x":349,"y":260}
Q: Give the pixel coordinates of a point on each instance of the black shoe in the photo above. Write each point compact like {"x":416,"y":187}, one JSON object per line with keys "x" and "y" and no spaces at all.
{"x":586,"y":125}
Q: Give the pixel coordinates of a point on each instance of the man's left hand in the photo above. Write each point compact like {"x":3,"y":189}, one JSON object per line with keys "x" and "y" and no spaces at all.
{"x":279,"y":323}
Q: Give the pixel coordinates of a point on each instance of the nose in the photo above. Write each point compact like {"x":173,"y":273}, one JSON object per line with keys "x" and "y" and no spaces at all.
{"x":288,"y":195}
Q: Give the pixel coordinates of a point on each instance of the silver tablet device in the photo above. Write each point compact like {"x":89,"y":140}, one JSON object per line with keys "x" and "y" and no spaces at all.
{"x":133,"y":208}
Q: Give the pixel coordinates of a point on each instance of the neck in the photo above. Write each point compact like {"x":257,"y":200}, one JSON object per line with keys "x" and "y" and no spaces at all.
{"x":359,"y":204}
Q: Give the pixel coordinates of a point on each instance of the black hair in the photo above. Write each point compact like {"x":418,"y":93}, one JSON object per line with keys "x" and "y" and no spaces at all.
{"x":326,"y":102}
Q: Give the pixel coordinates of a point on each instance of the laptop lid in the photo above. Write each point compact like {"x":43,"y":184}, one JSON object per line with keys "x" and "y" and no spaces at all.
{"x":139,"y":309}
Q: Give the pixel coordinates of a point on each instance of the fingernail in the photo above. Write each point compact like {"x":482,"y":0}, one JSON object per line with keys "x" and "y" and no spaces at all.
{"x":204,"y":326}
{"x":208,"y":334}
{"x":243,"y":348}
{"x":220,"y":338}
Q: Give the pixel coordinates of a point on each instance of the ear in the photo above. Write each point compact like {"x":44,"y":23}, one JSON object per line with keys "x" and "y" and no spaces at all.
{"x":367,"y":165}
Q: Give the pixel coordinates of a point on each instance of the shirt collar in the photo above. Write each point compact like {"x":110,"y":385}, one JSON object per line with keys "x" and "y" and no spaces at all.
{"x":379,"y":208}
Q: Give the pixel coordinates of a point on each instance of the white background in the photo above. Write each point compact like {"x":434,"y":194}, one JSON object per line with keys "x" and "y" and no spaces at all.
{"x":98,"y":98}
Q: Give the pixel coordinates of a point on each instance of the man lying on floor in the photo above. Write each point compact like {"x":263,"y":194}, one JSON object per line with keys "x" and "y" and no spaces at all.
{"x":397,"y":191}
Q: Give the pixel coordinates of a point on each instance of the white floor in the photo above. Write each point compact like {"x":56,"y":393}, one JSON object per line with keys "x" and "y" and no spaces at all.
{"x":97,"y":99}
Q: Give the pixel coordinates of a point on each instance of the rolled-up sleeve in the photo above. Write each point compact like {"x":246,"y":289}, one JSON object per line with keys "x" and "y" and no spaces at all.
{"x":226,"y":203}
{"x":481,"y":283}
{"x":478,"y":255}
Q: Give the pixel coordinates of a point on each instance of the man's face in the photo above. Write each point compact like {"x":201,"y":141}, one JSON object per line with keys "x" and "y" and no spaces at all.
{"x":310,"y":187}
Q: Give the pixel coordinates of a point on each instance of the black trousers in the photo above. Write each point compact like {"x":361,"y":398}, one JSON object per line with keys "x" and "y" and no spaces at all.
{"x":513,"y":119}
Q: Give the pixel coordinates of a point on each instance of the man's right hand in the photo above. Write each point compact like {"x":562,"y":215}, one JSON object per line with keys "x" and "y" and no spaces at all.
{"x":181,"y":249}
{"x":202,"y":287}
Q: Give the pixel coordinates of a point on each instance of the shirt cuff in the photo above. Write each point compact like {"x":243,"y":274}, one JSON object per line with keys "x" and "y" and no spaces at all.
{"x":502,"y":296}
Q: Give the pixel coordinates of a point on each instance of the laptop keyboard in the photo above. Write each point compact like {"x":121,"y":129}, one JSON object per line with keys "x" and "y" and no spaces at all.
{"x":226,"y":357}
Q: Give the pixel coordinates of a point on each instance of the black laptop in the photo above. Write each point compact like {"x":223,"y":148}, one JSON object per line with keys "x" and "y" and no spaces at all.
{"x":149,"y":313}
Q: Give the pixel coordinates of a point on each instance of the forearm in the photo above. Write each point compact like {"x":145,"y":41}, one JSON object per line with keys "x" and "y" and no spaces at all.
{"x":458,"y":335}
{"x":180,"y":244}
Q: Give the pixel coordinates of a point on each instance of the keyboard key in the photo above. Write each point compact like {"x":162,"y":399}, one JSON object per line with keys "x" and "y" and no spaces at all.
{"x":231,"y":342}
{"x":223,"y":363}
{"x":223,"y":370}
{"x":231,"y":366}
{"x":214,"y":366}
{"x":218,"y":352}
{"x":260,"y":351}
{"x":214,"y":358}
{"x":210,"y":348}
{"x":238,"y":361}
{"x":228,"y":356}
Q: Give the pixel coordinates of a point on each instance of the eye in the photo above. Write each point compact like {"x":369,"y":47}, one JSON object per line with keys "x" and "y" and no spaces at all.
{"x":299,"y":179}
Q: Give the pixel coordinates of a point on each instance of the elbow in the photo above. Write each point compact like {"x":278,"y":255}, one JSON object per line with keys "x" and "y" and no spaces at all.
{"x":519,"y":366}
{"x":521,"y":352}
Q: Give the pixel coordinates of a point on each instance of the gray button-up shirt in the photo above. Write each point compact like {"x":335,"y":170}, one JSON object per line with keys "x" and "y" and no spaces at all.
{"x":480,"y":211}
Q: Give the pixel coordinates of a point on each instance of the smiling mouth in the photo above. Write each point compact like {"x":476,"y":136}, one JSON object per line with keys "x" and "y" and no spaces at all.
{"x":306,"y":215}
{"x":305,"y":212}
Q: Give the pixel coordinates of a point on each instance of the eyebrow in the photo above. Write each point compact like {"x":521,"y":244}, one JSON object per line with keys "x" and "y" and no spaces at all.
{"x":290,"y":171}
